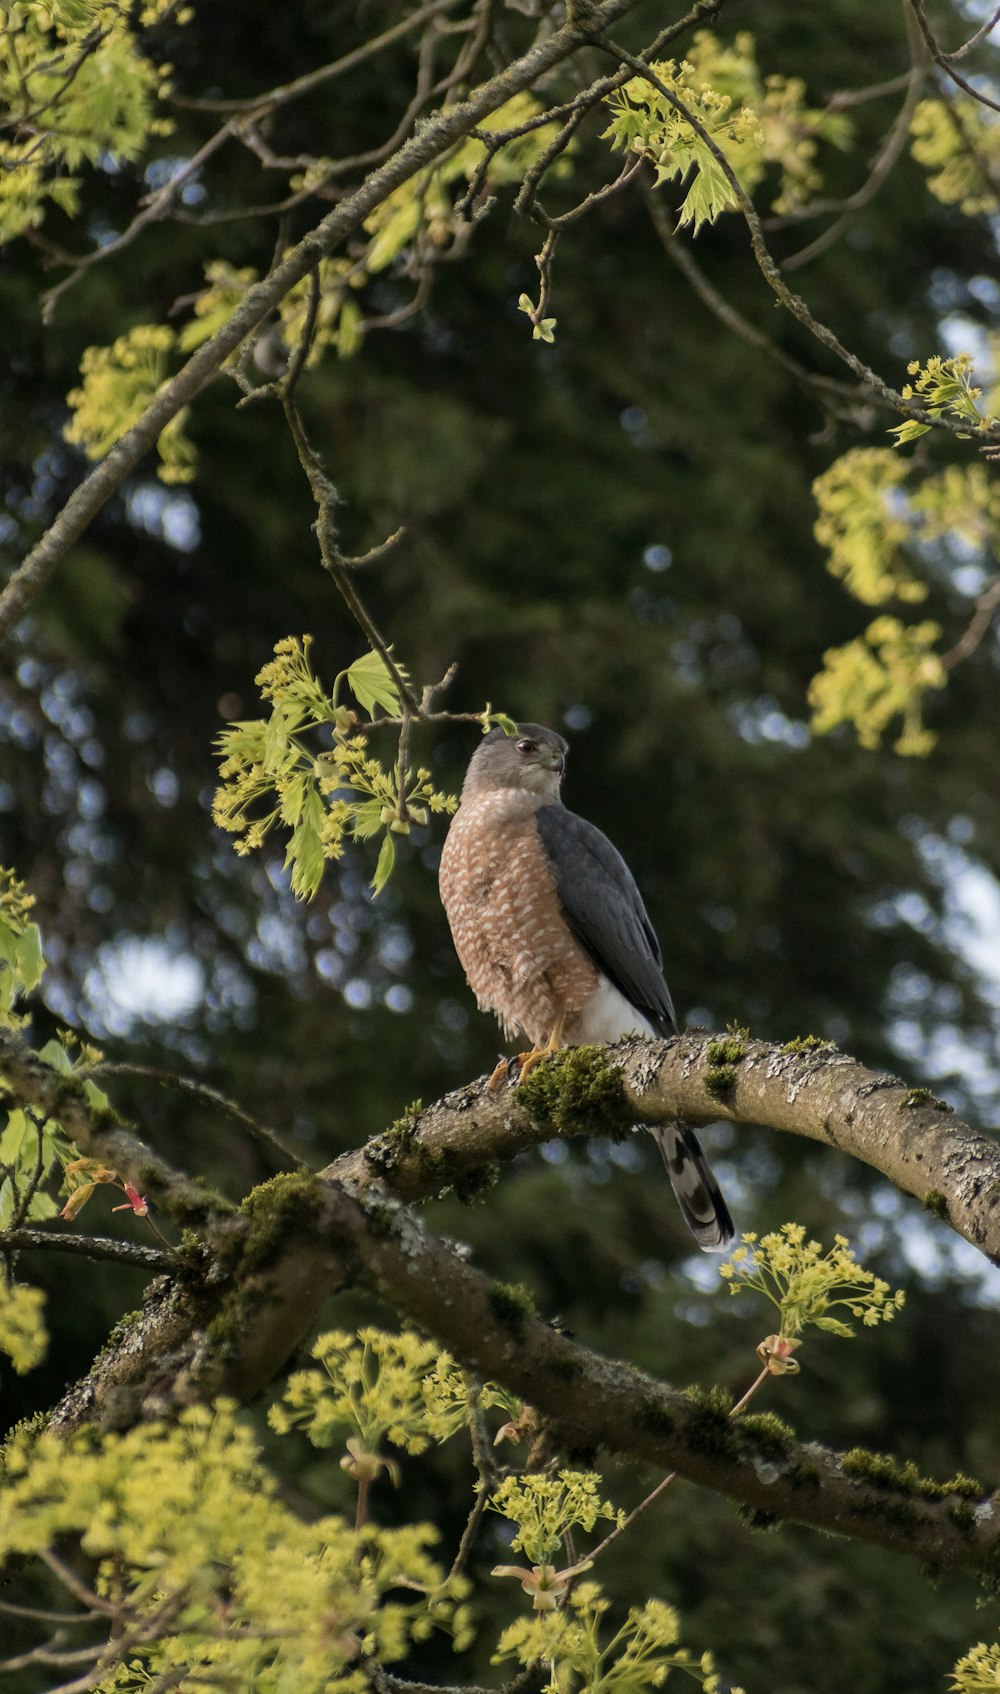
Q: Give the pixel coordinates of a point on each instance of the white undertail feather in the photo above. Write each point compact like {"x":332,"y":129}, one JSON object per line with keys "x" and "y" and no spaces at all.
{"x":608,"y":1016}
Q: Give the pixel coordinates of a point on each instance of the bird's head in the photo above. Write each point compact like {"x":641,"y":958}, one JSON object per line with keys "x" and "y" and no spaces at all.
{"x":534,"y":758}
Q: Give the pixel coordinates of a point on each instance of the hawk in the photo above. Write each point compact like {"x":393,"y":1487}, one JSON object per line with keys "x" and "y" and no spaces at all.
{"x":553,"y":935}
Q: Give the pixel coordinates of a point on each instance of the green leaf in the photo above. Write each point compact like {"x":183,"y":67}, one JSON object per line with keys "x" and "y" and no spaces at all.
{"x":305,"y":849}
{"x":386,"y":863}
{"x":96,"y":1097}
{"x":366,"y":820}
{"x":373,"y":687}
{"x":55,"y":1054}
{"x":15,"y":1137}
{"x":42,"y":1206}
{"x":909,"y":431}
{"x":284,"y":720}
{"x":293,"y":799}
{"x":30,"y":961}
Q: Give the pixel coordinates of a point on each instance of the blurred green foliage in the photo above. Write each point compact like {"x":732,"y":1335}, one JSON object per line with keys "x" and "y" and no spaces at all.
{"x":614,"y":534}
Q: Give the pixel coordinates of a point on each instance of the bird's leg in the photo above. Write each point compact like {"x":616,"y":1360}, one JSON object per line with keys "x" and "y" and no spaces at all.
{"x":526,"y":1062}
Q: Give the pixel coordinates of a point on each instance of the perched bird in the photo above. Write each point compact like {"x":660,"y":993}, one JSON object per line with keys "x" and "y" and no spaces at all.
{"x":553,"y":935}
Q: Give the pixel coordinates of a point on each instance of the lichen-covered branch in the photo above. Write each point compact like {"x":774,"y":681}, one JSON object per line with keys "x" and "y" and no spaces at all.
{"x":593,"y":1403}
{"x":807,"y":1088}
{"x":231,"y":1317}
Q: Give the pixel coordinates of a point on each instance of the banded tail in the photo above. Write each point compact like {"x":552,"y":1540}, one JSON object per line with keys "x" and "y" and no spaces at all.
{"x":698,"y":1194}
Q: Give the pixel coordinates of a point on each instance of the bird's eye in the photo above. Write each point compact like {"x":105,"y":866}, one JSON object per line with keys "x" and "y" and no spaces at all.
{"x":527,"y":746}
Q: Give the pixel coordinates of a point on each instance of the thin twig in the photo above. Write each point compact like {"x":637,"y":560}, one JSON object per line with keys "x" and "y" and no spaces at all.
{"x":34,"y":1614}
{"x":305,"y":341}
{"x":982,"y":617}
{"x":154,"y":209}
{"x":882,"y":165}
{"x":980,"y":35}
{"x":201,"y":1091}
{"x":260,"y":104}
{"x":76,"y":1587}
{"x":679,"y":252}
{"x":327,"y":499}
{"x":944,"y":59}
{"x":359,"y":561}
{"x":24,"y":1200}
{"x":482,"y":1458}
{"x":771,"y":272}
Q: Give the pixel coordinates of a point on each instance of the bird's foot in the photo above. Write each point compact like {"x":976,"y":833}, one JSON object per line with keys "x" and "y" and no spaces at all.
{"x":526,"y":1062}
{"x":507,"y":1070}
{"x":515,"y":1069}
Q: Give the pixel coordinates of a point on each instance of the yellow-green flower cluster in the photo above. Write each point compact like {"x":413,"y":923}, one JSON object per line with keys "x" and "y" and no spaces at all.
{"x":878,"y":677}
{"x":807,"y":1285}
{"x":75,"y":88}
{"x":324,"y":799}
{"x":545,"y":1508}
{"x":198,"y":1557}
{"x":638,"y":1656}
{"x":864,"y":520}
{"x":118,"y":384}
{"x":878,"y":531}
{"x":23,"y":1336}
{"x":21,"y":962}
{"x":399,"y":1388}
{"x":978,"y":1671}
{"x":959,"y":141}
{"x":755,"y":122}
{"x":945,"y":388}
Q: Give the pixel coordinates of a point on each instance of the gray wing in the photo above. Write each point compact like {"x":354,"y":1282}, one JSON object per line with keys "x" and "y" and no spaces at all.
{"x":604,"y":909}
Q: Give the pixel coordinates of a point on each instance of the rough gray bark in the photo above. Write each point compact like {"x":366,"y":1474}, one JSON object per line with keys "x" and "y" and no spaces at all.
{"x":244,"y":1300}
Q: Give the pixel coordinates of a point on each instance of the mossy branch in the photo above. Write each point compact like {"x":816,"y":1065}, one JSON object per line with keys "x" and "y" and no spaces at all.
{"x":806,"y":1088}
{"x":594,"y":1403}
{"x":301,"y":1238}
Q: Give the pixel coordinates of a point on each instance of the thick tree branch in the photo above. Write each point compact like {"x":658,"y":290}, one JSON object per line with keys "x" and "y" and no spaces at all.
{"x":232,"y":1324}
{"x":87,"y":1247}
{"x":594,"y":1403}
{"x":809,"y":1090}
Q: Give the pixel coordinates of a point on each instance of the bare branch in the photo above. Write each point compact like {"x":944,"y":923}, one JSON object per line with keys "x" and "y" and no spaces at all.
{"x":772,"y":274}
{"x":87,"y":1247}
{"x":882,"y":166}
{"x":259,"y":104}
{"x":327,"y":500}
{"x":944,"y":59}
{"x":981,"y":620}
{"x":201,"y":1091}
{"x":431,"y":141}
{"x":679,"y":252}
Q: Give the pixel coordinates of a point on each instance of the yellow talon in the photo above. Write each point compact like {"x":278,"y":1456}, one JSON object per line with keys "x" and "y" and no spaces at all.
{"x":526,"y":1062}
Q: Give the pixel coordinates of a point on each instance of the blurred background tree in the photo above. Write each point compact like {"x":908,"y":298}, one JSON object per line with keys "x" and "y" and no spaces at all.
{"x":611,"y":533}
